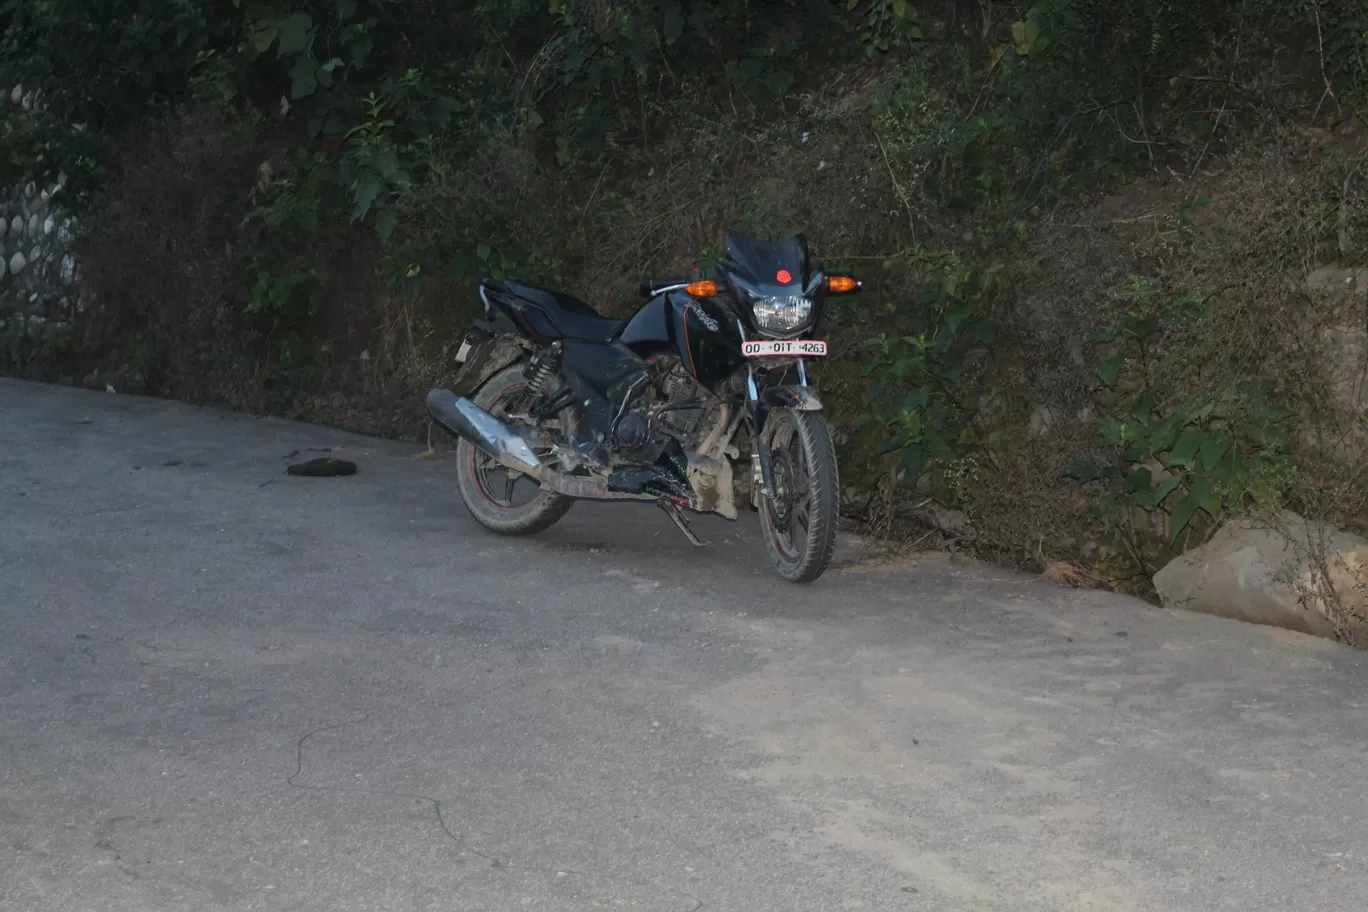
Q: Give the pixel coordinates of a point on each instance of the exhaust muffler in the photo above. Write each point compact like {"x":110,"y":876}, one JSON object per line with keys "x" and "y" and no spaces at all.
{"x":463,"y":418}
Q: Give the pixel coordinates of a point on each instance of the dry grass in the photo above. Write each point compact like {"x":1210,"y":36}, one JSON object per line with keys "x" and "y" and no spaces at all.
{"x":1064,"y":573}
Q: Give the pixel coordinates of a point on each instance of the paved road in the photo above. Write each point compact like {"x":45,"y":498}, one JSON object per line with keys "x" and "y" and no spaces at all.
{"x":341,"y":695}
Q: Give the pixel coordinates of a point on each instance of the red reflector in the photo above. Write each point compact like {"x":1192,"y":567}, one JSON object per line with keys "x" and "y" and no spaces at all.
{"x":784,"y":276}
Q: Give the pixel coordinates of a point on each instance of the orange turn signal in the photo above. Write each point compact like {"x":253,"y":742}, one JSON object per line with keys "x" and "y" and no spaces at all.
{"x":842,"y":284}
{"x":702,"y":289}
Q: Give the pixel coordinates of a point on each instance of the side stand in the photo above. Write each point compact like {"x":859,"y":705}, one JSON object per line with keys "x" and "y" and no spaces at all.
{"x":672,"y":510}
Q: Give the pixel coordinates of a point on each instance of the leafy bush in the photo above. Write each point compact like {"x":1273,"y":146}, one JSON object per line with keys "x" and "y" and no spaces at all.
{"x":1216,"y":452}
{"x":920,"y":385}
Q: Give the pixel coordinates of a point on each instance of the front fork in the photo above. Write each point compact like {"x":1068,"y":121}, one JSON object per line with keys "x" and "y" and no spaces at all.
{"x":758,"y":406}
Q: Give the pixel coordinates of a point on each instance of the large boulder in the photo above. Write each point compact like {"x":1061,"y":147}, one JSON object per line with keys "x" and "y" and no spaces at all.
{"x":1291,"y":573}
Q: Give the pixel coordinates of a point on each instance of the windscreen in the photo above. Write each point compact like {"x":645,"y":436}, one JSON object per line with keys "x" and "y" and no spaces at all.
{"x":768,"y":262}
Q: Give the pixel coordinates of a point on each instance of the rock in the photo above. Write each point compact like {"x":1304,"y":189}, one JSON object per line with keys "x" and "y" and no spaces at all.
{"x":954,"y":523}
{"x":951,"y":522}
{"x":17,"y":263}
{"x":1045,"y":419}
{"x":1336,"y":282}
{"x":1347,"y":355}
{"x":1042,"y":419}
{"x":1292,"y":573}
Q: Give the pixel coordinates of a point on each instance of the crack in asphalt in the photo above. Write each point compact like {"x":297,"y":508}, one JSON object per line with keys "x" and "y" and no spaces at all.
{"x":493,"y":860}
{"x":104,"y":841}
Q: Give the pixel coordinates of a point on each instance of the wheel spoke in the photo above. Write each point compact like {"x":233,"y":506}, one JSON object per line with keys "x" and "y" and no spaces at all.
{"x":488,"y":464}
{"x":789,"y":516}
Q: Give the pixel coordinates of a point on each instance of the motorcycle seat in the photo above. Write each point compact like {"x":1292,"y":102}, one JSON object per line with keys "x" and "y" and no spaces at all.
{"x":570,"y":317}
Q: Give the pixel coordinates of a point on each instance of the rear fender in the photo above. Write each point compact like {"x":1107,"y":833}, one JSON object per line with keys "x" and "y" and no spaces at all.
{"x":486,"y":359}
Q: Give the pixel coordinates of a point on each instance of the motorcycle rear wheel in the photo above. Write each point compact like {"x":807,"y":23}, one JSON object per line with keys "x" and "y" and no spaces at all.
{"x":496,"y":503}
{"x":798,"y":519}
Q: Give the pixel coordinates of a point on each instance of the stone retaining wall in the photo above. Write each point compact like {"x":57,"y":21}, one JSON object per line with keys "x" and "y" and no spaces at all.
{"x":38,"y":266}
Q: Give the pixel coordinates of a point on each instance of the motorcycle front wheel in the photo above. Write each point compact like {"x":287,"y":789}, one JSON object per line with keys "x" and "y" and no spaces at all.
{"x":798,"y":518}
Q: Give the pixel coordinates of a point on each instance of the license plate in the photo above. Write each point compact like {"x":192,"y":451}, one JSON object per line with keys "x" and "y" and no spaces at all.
{"x":463,"y":353}
{"x":800,"y":348}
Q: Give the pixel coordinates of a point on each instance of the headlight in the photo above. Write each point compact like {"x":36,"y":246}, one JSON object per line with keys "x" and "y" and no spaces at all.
{"x":782,"y":314}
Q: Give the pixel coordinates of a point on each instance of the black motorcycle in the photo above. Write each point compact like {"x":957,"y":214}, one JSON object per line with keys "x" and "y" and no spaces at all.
{"x":566,"y":405}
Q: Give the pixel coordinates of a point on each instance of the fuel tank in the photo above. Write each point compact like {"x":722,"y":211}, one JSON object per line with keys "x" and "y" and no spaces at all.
{"x":702,"y":332}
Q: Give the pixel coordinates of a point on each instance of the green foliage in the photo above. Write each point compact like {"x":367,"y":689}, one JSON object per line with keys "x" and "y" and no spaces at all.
{"x":38,"y":145}
{"x":382,"y":102}
{"x":919,"y":397}
{"x":1027,"y":38}
{"x":1221,"y":456}
{"x":1071,"y":94}
{"x":87,"y":68}
{"x":1067,"y":96}
{"x":889,"y":25}
{"x":1212,"y":453}
{"x":102,"y":62}
{"x":284,"y":303}
{"x":282,"y":307}
{"x":379,"y":88}
{"x":290,"y":298}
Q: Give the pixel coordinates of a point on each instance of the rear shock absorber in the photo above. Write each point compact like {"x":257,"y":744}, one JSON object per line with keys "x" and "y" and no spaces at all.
{"x":538,"y":372}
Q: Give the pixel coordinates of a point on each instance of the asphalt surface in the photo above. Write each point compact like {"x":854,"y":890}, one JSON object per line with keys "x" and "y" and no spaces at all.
{"x":226,"y":688}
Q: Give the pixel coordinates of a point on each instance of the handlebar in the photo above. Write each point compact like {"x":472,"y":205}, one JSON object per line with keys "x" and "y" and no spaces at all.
{"x":649,"y":287}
